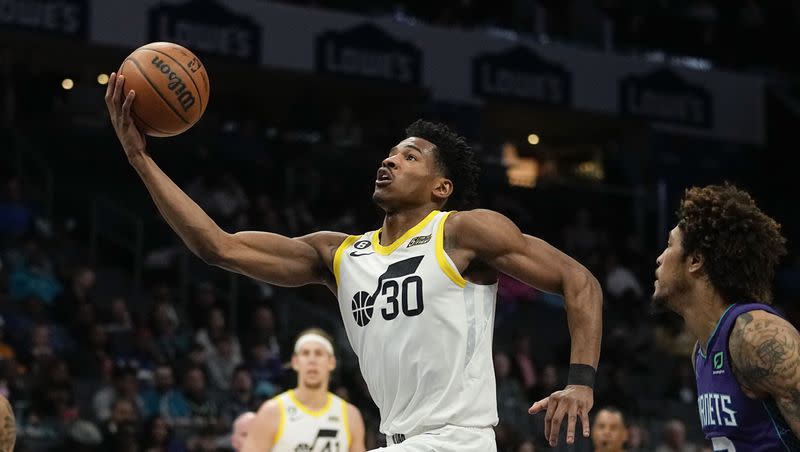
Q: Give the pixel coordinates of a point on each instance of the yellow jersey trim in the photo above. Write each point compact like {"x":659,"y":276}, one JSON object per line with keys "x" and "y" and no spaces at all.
{"x":387,"y":250}
{"x":337,"y":258}
{"x":309,"y":411}
{"x":346,"y":423}
{"x":441,"y":256}
{"x":281,"y":422}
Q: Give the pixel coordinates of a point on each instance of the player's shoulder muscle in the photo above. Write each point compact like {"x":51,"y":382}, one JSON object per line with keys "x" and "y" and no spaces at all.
{"x":765,"y":351}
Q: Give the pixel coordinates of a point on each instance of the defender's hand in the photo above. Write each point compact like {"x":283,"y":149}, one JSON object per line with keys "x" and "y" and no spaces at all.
{"x":572,"y":401}
{"x":133,"y":141}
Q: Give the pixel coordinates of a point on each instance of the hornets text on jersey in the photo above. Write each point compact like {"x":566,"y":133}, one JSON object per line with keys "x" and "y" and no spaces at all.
{"x":731,"y":420}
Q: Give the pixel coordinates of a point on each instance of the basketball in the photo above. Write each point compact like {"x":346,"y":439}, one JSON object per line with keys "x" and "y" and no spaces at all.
{"x":171,"y":86}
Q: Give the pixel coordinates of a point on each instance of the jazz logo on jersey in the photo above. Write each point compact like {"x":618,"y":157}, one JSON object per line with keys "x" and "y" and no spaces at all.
{"x":420,"y":240}
{"x":327,"y":439}
{"x":409,"y":290}
{"x":719,"y":359}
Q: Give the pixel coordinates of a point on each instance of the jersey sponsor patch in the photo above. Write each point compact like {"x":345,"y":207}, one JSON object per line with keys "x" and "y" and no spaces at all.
{"x":421,"y":240}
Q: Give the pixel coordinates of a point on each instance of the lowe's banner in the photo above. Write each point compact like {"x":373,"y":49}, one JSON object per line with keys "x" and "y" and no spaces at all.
{"x":58,"y":17}
{"x":519,"y":74}
{"x":453,"y":65}
{"x":207,"y":27}
{"x":367,"y":51}
{"x":663,"y":96}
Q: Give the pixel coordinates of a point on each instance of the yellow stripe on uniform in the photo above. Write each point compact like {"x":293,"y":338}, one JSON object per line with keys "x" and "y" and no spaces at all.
{"x":441,"y":257}
{"x":345,"y":422}
{"x":337,"y":258}
{"x":387,"y":250}
{"x":282,"y":422}
{"x":308,"y":410}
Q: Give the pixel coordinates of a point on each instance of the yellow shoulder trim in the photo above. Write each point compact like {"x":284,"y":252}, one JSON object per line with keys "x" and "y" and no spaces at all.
{"x":337,"y":258}
{"x":308,"y":410}
{"x":441,"y":256}
{"x":346,"y":422}
{"x":281,"y":422}
{"x":387,"y":250}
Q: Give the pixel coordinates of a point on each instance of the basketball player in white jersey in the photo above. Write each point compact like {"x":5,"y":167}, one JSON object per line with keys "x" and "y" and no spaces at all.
{"x":308,"y":418}
{"x":241,"y":427}
{"x":418,"y":295}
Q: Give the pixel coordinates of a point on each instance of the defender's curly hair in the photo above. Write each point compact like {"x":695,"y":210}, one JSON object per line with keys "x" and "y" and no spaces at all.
{"x":741,"y":245}
{"x":455,"y":159}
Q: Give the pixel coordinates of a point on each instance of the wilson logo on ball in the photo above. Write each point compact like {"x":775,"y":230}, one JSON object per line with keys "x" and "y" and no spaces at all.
{"x":176,"y":85}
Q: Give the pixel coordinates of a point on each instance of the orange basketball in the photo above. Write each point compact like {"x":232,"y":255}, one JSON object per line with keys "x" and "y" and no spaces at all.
{"x":171,"y":86}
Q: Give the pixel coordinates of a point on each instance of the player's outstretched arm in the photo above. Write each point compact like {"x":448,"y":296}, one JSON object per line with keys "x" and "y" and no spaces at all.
{"x":357,"y":430}
{"x":494,"y":239}
{"x":8,"y":426}
{"x":264,"y":428}
{"x":269,"y":257}
{"x":765,"y":357}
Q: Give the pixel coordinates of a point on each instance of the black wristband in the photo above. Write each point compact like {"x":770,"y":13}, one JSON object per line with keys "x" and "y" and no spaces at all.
{"x":581,"y":374}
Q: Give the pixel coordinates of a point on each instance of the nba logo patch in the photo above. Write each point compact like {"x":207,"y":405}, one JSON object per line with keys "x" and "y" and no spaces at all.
{"x":719,"y":360}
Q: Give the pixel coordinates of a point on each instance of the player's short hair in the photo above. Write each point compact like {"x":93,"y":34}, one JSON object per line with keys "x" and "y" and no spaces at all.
{"x":454,"y":158}
{"x":740,"y":245}
{"x":613,"y":410}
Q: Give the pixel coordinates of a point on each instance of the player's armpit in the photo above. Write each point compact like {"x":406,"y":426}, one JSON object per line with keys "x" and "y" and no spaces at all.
{"x":280,"y":260}
{"x":765,"y":356}
{"x":264,"y":429}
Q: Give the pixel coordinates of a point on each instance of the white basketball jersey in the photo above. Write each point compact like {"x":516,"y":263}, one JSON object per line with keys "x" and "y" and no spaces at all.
{"x":304,"y":430}
{"x":422,"y":333}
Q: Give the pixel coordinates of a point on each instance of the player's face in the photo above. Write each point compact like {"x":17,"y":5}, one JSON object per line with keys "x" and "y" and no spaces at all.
{"x":408,"y":176}
{"x":671,"y":278}
{"x":608,"y":432}
{"x":313,"y":365}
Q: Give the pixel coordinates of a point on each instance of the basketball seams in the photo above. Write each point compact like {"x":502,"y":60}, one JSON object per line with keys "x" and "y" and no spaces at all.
{"x":152,"y":85}
{"x":197,"y":88}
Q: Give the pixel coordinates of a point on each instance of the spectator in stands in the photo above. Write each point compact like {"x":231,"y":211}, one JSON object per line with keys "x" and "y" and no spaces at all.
{"x":121,"y":430}
{"x":193,"y":407}
{"x":523,"y":368}
{"x":205,"y":300}
{"x":93,"y":360}
{"x":510,"y":397}
{"x":265,"y":368}
{"x":638,"y":438}
{"x":162,"y":389}
{"x":214,"y":329}
{"x":16,"y":215}
{"x":172,"y":342}
{"x":119,"y":320}
{"x":32,"y":274}
{"x":241,"y":397}
{"x":609,"y":432}
{"x":223,"y":359}
{"x":78,"y":294}
{"x":124,"y":386}
{"x":673,"y":438}
{"x":158,"y":437}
